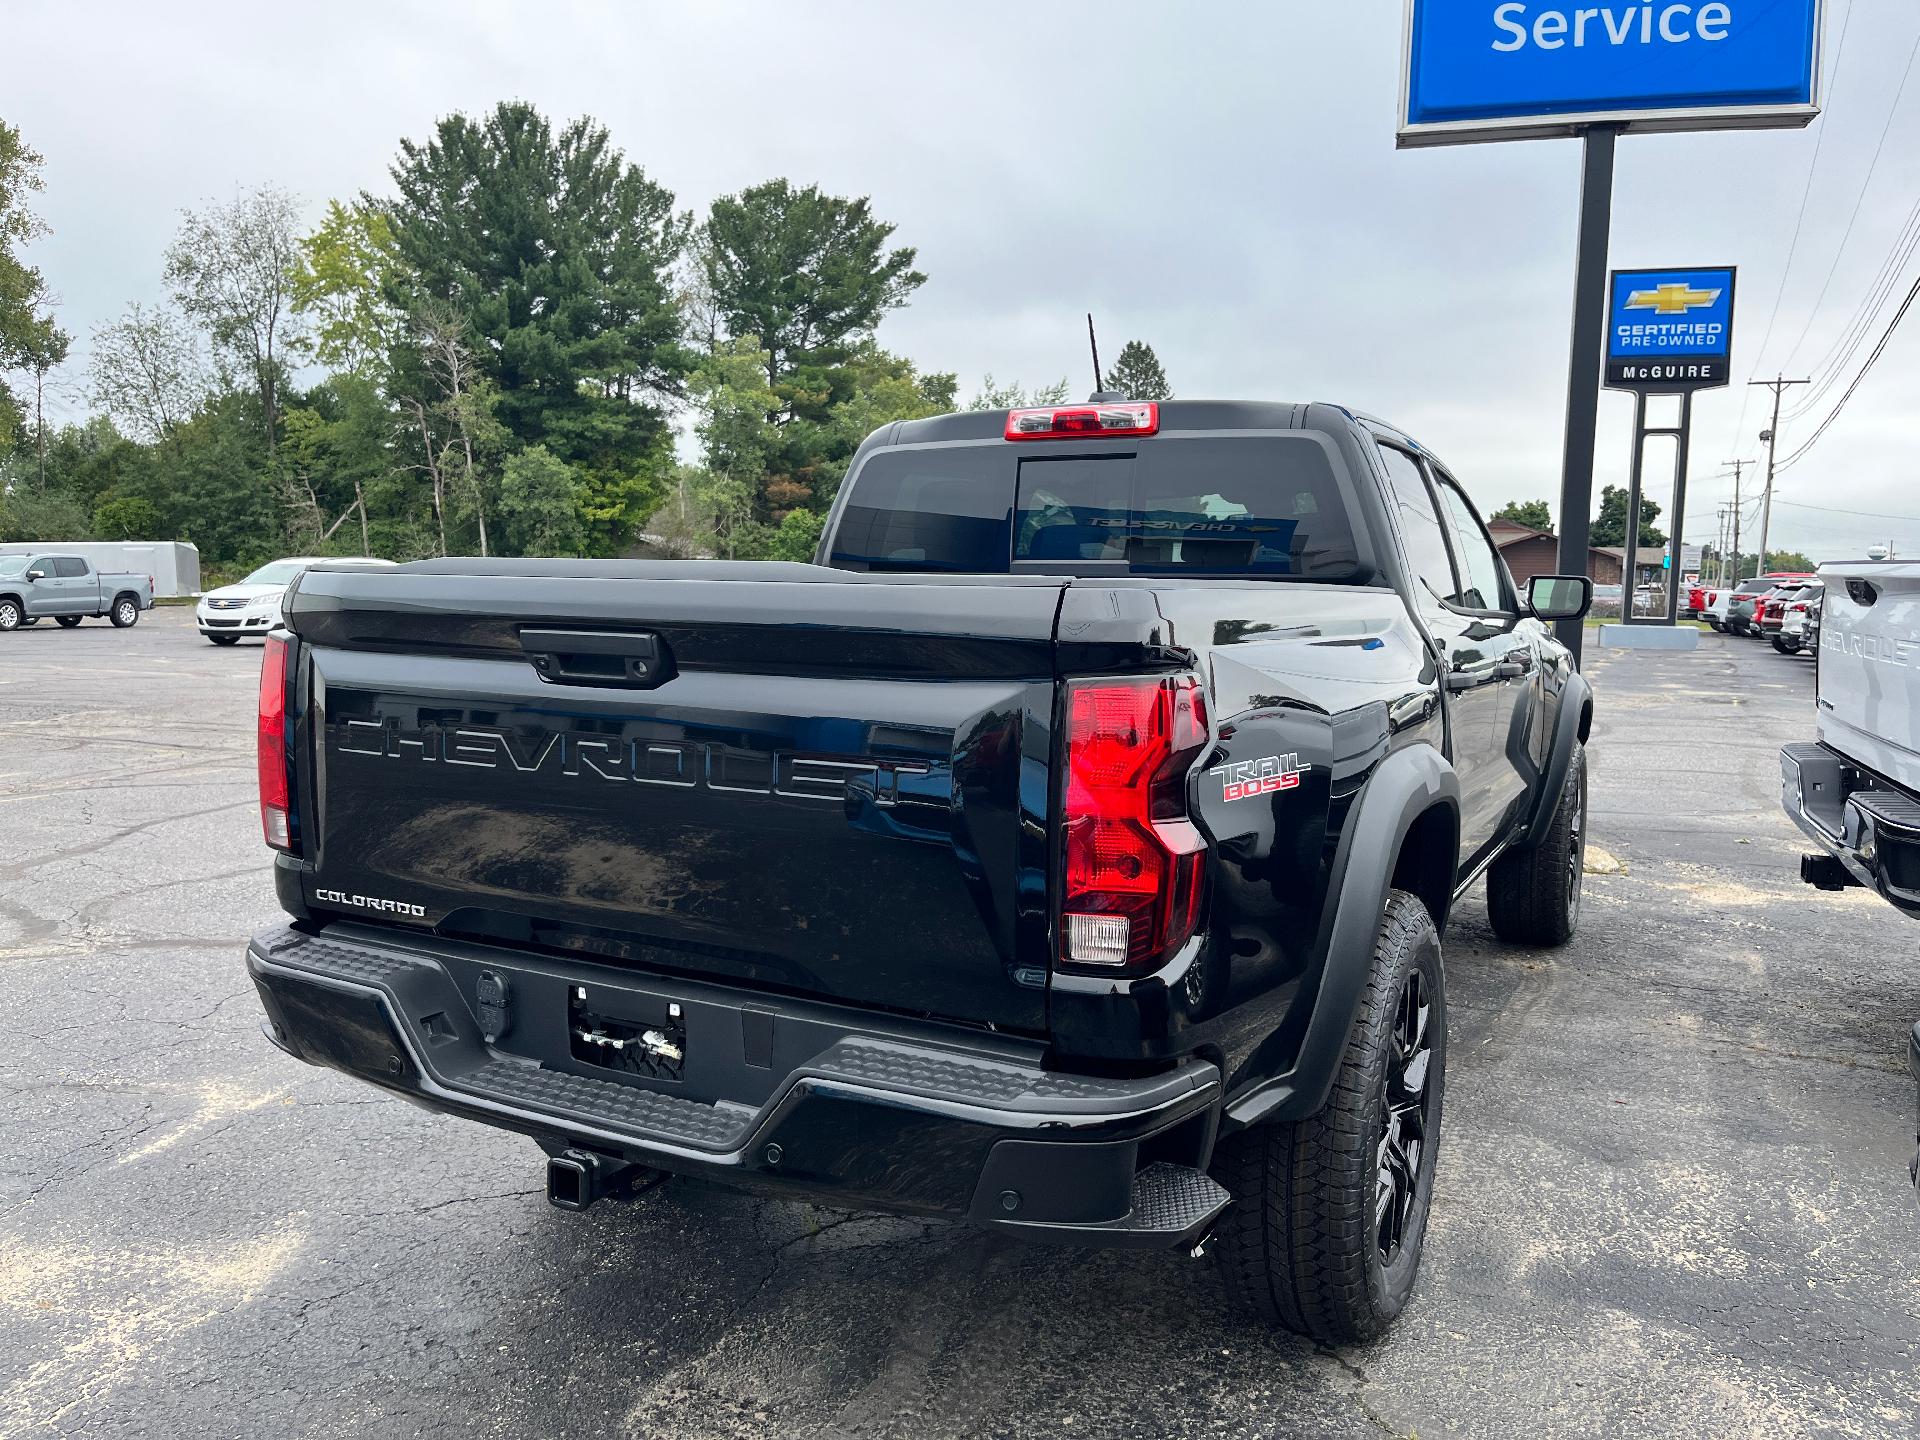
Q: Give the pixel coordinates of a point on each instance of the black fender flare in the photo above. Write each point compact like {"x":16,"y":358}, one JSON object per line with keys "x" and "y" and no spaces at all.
{"x":1576,"y":697}
{"x":1408,"y":783}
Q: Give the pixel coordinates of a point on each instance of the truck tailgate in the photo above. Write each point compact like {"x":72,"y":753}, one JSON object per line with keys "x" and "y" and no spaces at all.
{"x":1870,"y":666}
{"x":828,"y":784}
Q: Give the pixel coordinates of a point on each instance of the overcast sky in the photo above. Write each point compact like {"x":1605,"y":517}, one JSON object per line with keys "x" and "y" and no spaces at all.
{"x":1218,"y":180}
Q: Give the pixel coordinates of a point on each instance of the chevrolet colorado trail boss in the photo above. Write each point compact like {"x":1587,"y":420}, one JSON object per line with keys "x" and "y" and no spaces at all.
{"x":1066,"y":851}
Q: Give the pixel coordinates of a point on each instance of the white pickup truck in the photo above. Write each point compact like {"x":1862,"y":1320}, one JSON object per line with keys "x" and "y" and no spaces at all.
{"x":67,"y":589}
{"x":1856,"y":790}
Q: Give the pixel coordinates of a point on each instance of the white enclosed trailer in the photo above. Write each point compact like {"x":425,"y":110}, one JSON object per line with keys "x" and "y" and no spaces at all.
{"x":173,"y":564}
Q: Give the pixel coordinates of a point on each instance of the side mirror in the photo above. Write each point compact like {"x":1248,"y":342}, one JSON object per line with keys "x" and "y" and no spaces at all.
{"x":1559,"y":597}
{"x":33,"y":575}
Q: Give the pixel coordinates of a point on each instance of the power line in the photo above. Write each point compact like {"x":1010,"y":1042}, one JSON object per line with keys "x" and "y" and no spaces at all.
{"x":1793,"y":246}
{"x":1862,"y":514}
{"x":1865,"y":370}
{"x":1860,"y":200}
{"x":1835,"y":366}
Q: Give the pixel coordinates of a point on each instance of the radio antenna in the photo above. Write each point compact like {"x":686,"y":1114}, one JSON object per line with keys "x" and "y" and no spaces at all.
{"x":1094,"y":346}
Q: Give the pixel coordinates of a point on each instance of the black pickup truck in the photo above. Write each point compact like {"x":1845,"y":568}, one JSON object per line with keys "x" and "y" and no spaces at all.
{"x":1065,"y":851}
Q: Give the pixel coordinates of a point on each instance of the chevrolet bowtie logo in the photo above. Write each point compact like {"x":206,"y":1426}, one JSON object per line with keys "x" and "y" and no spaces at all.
{"x":1674,"y":299}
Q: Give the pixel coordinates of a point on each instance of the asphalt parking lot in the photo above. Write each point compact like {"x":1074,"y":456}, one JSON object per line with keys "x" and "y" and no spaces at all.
{"x":1672,"y":1195}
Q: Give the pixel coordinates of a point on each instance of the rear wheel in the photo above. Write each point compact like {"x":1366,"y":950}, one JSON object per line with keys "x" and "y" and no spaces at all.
{"x":1330,"y":1213}
{"x":66,"y":622}
{"x":1533,"y":897}
{"x":126,"y":611}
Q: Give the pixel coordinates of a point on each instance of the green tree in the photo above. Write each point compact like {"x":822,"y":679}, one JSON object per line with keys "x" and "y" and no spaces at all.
{"x":336,"y":451}
{"x":994,"y":396}
{"x":796,"y":536}
{"x":90,"y":461}
{"x":557,"y":254}
{"x":1610,"y":528}
{"x":733,"y":401}
{"x":231,"y":268}
{"x":20,"y":283}
{"x":541,"y":505}
{"x":1137,"y":374}
{"x":1791,"y":561}
{"x":147,"y":373}
{"x":884,"y":388}
{"x":126,"y":517}
{"x":205,"y":482}
{"x":810,"y":274}
{"x":27,"y":514}
{"x":1535,"y":515}
{"x":346,"y":284}
{"x":40,"y":347}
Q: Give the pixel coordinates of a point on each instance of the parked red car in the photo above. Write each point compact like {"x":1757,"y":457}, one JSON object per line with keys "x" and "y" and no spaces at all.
{"x":1770,"y":610}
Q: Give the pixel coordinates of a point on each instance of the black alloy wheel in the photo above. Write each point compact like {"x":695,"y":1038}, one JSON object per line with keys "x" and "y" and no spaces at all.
{"x":1403,"y":1119}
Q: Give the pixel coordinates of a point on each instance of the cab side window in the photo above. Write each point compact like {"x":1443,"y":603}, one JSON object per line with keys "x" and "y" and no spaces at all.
{"x":1484,"y":581}
{"x":68,"y":568}
{"x":1421,"y":529}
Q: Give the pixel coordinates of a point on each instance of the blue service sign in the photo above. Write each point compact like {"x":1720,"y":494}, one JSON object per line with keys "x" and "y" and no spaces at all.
{"x":1488,"y":70}
{"x":1670,"y":329}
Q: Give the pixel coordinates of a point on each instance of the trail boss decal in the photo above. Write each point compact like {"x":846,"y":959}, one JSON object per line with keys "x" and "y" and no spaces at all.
{"x":1245,"y":779}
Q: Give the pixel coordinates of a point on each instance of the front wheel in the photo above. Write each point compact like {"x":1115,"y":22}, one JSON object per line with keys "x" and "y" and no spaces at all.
{"x":126,"y":611}
{"x":1533,"y":897}
{"x":66,"y":622}
{"x":1785,"y":647}
{"x":1330,"y":1213}
{"x":10,"y":616}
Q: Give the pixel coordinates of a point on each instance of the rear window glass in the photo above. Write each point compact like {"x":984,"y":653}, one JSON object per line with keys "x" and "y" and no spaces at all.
{"x":1261,"y":507}
{"x":927,"y":510}
{"x":1267,"y":506}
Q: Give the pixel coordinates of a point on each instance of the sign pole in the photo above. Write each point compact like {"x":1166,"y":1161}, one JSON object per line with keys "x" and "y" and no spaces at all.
{"x":1676,"y":548}
{"x":1630,"y":561}
{"x":1682,"y":435}
{"x":1583,"y":370}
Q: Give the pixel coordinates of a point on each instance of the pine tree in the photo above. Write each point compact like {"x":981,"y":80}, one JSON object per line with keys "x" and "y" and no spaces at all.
{"x":1137,"y":373}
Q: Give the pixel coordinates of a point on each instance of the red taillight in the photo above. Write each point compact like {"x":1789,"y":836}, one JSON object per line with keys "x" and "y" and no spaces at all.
{"x":276,"y":799}
{"x":1070,"y":422}
{"x":1134,"y":863}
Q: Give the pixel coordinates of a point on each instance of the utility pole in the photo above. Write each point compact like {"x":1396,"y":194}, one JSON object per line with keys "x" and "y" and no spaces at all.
{"x":1772,"y":436}
{"x":1738,"y":466}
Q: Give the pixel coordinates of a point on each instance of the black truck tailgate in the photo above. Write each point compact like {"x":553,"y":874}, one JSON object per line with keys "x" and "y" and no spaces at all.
{"x":829,"y":784}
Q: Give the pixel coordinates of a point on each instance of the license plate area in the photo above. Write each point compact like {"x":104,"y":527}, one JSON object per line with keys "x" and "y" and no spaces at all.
{"x":624,"y":1034}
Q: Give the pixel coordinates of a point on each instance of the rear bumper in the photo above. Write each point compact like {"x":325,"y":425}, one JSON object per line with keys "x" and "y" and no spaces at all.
{"x":1859,"y":819}
{"x":769,"y":1093}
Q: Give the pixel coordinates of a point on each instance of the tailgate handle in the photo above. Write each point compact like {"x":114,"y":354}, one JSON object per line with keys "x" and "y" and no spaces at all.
{"x":597,"y":657}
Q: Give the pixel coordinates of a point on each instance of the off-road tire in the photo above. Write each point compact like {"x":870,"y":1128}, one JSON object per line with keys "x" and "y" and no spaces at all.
{"x":125,"y":612}
{"x":66,"y":622}
{"x":1533,"y":896}
{"x":10,"y":616}
{"x":224,"y":639}
{"x":1300,"y":1247}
